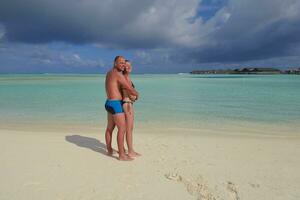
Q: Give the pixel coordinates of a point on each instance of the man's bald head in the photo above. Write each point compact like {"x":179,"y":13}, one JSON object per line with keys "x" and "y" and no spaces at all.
{"x":117,"y":58}
{"x":119,"y":63}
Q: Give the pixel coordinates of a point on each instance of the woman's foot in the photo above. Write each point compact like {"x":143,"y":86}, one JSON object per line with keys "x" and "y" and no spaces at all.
{"x":134,"y":154}
{"x":125,"y":158}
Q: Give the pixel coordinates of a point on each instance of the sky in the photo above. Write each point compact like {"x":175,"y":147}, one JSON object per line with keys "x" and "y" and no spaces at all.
{"x":158,"y":36}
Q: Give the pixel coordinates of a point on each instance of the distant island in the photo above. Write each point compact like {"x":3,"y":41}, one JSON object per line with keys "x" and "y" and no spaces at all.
{"x":256,"y":70}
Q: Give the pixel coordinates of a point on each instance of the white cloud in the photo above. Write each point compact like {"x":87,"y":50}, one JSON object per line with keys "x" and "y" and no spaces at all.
{"x":42,"y":54}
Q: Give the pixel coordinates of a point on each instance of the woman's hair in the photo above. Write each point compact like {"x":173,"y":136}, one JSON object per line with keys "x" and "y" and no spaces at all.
{"x":126,"y":61}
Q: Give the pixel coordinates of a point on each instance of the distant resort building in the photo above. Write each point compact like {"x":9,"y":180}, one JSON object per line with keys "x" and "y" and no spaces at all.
{"x":255,"y":70}
{"x":292,"y":71}
{"x":258,"y":71}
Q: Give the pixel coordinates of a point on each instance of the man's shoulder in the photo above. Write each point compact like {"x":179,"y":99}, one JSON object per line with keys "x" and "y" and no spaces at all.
{"x":110,"y":73}
{"x":114,"y":74}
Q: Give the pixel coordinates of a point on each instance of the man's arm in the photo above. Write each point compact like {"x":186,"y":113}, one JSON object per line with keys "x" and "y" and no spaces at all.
{"x":127,"y":86}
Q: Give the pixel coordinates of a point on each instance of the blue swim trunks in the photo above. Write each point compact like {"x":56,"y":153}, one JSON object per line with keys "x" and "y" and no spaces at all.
{"x":114,"y":106}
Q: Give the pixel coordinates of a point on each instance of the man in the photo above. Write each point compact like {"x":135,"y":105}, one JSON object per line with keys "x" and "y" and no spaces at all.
{"x":114,"y":83}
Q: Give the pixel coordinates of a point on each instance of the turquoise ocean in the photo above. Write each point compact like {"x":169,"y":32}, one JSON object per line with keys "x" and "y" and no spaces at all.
{"x":182,"y":101}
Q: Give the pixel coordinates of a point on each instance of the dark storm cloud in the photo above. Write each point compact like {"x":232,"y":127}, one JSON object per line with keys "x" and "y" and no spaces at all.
{"x":277,"y":39}
{"x":122,"y":24}
{"x":220,"y":31}
{"x":71,"y":21}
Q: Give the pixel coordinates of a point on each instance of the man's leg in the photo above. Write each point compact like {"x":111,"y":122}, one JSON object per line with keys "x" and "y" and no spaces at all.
{"x":108,"y":133}
{"x":119,"y":120}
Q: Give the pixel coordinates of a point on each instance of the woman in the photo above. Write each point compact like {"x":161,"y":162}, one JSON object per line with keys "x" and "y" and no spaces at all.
{"x":129,"y":112}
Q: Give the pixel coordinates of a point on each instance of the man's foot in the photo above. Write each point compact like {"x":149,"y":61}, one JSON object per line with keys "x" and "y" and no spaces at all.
{"x":125,"y":158}
{"x":125,"y":151}
{"x":134,"y":154}
{"x":110,"y":151}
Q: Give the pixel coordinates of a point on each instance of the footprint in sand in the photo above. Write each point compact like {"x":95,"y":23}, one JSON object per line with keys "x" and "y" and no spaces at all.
{"x":196,"y":188}
{"x":31,"y":183}
{"x":173,"y":177}
{"x":199,"y":187}
{"x":233,"y":190}
{"x":254,"y":185}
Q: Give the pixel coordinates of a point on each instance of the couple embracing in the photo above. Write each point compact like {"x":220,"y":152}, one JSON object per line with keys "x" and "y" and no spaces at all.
{"x":120,"y":94}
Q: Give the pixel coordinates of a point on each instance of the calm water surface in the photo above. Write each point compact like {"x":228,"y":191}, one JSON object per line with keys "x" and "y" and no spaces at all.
{"x":181,"y":100}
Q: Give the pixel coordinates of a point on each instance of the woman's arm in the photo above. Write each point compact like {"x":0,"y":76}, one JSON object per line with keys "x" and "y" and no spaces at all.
{"x":126,"y":85}
{"x":132,"y":98}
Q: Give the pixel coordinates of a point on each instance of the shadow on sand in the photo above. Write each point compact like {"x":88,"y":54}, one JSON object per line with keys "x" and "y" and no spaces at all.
{"x":89,"y":143}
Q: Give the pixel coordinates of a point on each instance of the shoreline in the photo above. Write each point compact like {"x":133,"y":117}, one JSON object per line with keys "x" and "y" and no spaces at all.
{"x":227,"y":128}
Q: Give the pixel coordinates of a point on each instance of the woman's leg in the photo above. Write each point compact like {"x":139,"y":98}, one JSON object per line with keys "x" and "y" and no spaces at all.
{"x":129,"y":120}
{"x":129,"y":114}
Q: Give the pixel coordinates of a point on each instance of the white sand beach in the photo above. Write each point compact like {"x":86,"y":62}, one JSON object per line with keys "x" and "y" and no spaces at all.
{"x":185,"y":165}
